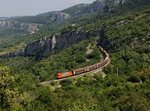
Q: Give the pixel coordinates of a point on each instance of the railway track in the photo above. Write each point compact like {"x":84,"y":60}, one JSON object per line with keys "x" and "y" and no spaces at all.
{"x":105,"y":61}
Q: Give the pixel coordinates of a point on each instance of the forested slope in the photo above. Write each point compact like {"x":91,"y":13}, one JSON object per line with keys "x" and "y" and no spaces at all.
{"x":124,"y":33}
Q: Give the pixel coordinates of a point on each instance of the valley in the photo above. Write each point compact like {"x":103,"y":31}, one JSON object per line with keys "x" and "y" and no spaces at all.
{"x":33,"y":49}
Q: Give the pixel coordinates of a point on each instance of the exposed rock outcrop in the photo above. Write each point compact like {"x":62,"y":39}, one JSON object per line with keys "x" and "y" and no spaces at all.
{"x":46,"y":45}
{"x":59,"y":16}
{"x":116,"y":2}
{"x":55,"y":16}
{"x":98,"y":5}
{"x":29,"y":28}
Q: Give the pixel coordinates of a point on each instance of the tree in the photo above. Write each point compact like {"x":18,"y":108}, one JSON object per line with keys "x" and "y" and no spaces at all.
{"x":8,"y":95}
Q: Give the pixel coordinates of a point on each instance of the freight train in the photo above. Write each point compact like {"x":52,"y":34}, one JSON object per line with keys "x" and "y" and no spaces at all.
{"x":90,"y":68}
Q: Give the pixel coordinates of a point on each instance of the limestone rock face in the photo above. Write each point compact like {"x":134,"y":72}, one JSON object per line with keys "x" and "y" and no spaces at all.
{"x":68,"y":39}
{"x":55,"y":16}
{"x":101,"y":4}
{"x":29,"y":28}
{"x":98,"y":5}
{"x":59,"y":16}
{"x":38,"y":47}
{"x":115,"y":2}
{"x":46,"y":45}
{"x":6,"y":24}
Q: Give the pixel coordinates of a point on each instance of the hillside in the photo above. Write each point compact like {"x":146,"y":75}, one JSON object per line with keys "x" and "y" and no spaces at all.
{"x":41,"y":25}
{"x":122,"y":27}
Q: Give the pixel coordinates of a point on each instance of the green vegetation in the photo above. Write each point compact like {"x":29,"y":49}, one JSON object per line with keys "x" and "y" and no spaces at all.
{"x":125,"y":87}
{"x":85,"y":94}
{"x":59,"y":61}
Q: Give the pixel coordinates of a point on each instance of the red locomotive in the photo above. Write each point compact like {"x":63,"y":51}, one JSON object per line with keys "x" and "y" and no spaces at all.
{"x":65,"y":74}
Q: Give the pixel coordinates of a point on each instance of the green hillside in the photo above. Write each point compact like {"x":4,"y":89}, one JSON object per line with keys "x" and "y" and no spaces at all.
{"x":123,"y":30}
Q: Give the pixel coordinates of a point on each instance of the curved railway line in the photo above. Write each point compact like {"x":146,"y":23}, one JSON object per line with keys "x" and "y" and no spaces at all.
{"x":88,"y":69}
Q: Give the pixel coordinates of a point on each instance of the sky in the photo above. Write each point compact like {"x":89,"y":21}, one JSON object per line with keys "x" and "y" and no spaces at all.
{"x":10,"y":8}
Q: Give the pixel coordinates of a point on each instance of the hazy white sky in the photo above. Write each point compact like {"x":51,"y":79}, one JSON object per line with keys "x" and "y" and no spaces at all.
{"x":32,"y":7}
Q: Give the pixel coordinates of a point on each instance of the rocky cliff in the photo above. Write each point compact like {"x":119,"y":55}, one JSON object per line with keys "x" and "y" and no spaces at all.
{"x":46,"y":45}
{"x":49,"y":44}
{"x":29,"y":28}
{"x":98,"y":5}
{"x":31,"y":24}
{"x":55,"y":16}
